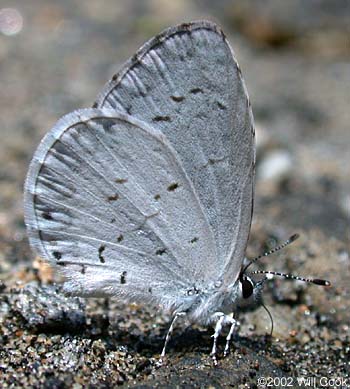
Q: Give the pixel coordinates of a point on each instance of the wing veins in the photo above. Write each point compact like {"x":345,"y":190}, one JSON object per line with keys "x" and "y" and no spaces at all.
{"x":74,"y":209}
{"x":90,"y":238}
{"x":105,"y":179}
{"x":148,"y":221}
{"x":177,"y":165}
{"x":85,"y":190}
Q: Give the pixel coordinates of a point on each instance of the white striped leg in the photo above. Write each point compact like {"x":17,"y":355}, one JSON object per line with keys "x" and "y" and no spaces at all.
{"x":168,"y":335}
{"x":218,"y":328}
{"x":234,"y":323}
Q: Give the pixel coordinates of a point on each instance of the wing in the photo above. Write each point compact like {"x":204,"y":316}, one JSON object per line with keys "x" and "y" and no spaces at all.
{"x":108,"y":202}
{"x":187,"y":82}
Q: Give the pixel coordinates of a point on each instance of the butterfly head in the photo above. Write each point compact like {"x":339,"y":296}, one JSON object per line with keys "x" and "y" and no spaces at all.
{"x":250,"y":292}
{"x":244,"y":275}
{"x":250,"y":296}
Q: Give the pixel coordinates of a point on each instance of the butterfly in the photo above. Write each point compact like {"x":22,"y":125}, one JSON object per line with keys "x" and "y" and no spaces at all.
{"x":148,"y":196}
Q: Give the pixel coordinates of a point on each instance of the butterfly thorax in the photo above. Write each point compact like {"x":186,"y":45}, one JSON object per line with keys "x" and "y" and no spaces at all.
{"x":203,"y":304}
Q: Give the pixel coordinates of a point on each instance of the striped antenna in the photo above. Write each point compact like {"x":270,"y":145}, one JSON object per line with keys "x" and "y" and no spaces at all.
{"x":273,"y":250}
{"x":315,"y":281}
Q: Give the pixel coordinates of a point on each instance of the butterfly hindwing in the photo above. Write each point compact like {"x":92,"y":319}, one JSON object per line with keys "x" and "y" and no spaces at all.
{"x":108,"y":202}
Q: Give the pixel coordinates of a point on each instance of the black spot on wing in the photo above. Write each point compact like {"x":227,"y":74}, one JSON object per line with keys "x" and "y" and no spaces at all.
{"x":173,"y":186}
{"x":46,"y":236}
{"x":113,"y":197}
{"x":135,"y":59}
{"x":177,"y":99}
{"x":193,"y":291}
{"x":252,"y":130}
{"x":160,"y":251}
{"x":121,"y":180}
{"x":101,"y":249}
{"x":195,"y":91}
{"x":157,"y":197}
{"x":57,"y":255}
{"x":123,"y":277}
{"x":120,"y":238}
{"x":195,"y":239}
{"x":161,"y":119}
{"x":47,"y":215}
{"x":186,"y":26}
{"x":221,"y":106}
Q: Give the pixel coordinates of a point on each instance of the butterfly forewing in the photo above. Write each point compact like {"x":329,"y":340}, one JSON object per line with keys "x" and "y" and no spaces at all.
{"x":187,"y":84}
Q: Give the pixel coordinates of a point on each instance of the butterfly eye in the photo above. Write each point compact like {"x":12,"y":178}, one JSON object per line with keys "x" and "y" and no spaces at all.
{"x":247,"y":288}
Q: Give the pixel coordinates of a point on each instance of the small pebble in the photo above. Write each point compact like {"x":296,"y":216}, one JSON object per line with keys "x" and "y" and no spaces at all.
{"x":275,"y":166}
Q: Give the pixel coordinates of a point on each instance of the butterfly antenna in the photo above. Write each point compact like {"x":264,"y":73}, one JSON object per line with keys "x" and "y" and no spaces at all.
{"x":315,"y":281}
{"x":270,"y":316}
{"x":273,"y":250}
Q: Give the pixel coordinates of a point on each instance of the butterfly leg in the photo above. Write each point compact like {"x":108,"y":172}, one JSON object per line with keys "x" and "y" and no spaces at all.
{"x":168,"y":335}
{"x":218,"y":327}
{"x":233,"y":323}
